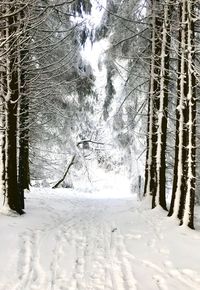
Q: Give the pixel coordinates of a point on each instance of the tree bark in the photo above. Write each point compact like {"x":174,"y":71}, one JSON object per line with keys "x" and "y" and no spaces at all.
{"x":162,"y":114}
{"x":11,"y":130}
{"x":66,"y":171}
{"x":183,"y":194}
{"x":11,"y":93}
{"x":23,"y":118}
{"x":157,"y":105}
{"x":153,"y":102}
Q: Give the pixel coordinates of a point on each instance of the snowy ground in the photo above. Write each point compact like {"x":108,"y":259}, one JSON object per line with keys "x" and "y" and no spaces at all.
{"x":73,"y":241}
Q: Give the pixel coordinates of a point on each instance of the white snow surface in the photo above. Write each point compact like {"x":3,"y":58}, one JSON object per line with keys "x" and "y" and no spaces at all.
{"x":78,"y":240}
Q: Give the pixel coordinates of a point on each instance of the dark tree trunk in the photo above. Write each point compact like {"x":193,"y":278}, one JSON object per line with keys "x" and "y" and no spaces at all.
{"x":162,"y":183}
{"x":155,"y":171}
{"x":153,"y":103}
{"x":183,"y":194}
{"x":24,"y":173}
{"x":161,"y":105}
{"x":156,"y":100}
{"x":187,"y":217}
{"x":147,"y":151}
{"x":3,"y":93}
{"x":13,"y":195}
{"x":175,"y":173}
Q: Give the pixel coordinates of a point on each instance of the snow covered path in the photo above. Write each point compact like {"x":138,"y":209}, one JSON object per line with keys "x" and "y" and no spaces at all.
{"x":68,"y":242}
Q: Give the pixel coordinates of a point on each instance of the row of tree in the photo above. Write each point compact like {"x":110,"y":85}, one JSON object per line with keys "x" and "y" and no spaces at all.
{"x":14,"y":102}
{"x":156,"y":42}
{"x":173,"y":37}
{"x":40,"y":67}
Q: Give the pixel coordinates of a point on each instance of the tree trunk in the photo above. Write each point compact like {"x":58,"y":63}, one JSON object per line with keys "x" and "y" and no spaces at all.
{"x":153,"y":102}
{"x":182,"y":203}
{"x":158,"y":101}
{"x":13,"y":90}
{"x":24,"y":173}
{"x":11,"y":108}
{"x":179,"y":179}
{"x":23,"y":120}
{"x":188,"y":212}
{"x":162,"y":113}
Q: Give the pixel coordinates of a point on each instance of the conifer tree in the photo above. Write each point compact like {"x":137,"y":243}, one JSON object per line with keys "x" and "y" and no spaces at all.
{"x":155,"y":175}
{"x":183,"y":194}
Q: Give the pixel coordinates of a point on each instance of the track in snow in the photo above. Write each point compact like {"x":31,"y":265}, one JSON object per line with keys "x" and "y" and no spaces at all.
{"x":88,"y":244}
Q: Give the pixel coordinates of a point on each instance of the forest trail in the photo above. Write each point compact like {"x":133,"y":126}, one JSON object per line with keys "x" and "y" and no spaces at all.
{"x":68,"y":242}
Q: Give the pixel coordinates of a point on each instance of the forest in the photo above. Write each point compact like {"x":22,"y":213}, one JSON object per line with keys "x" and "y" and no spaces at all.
{"x":135,"y":103}
{"x":99,"y":144}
